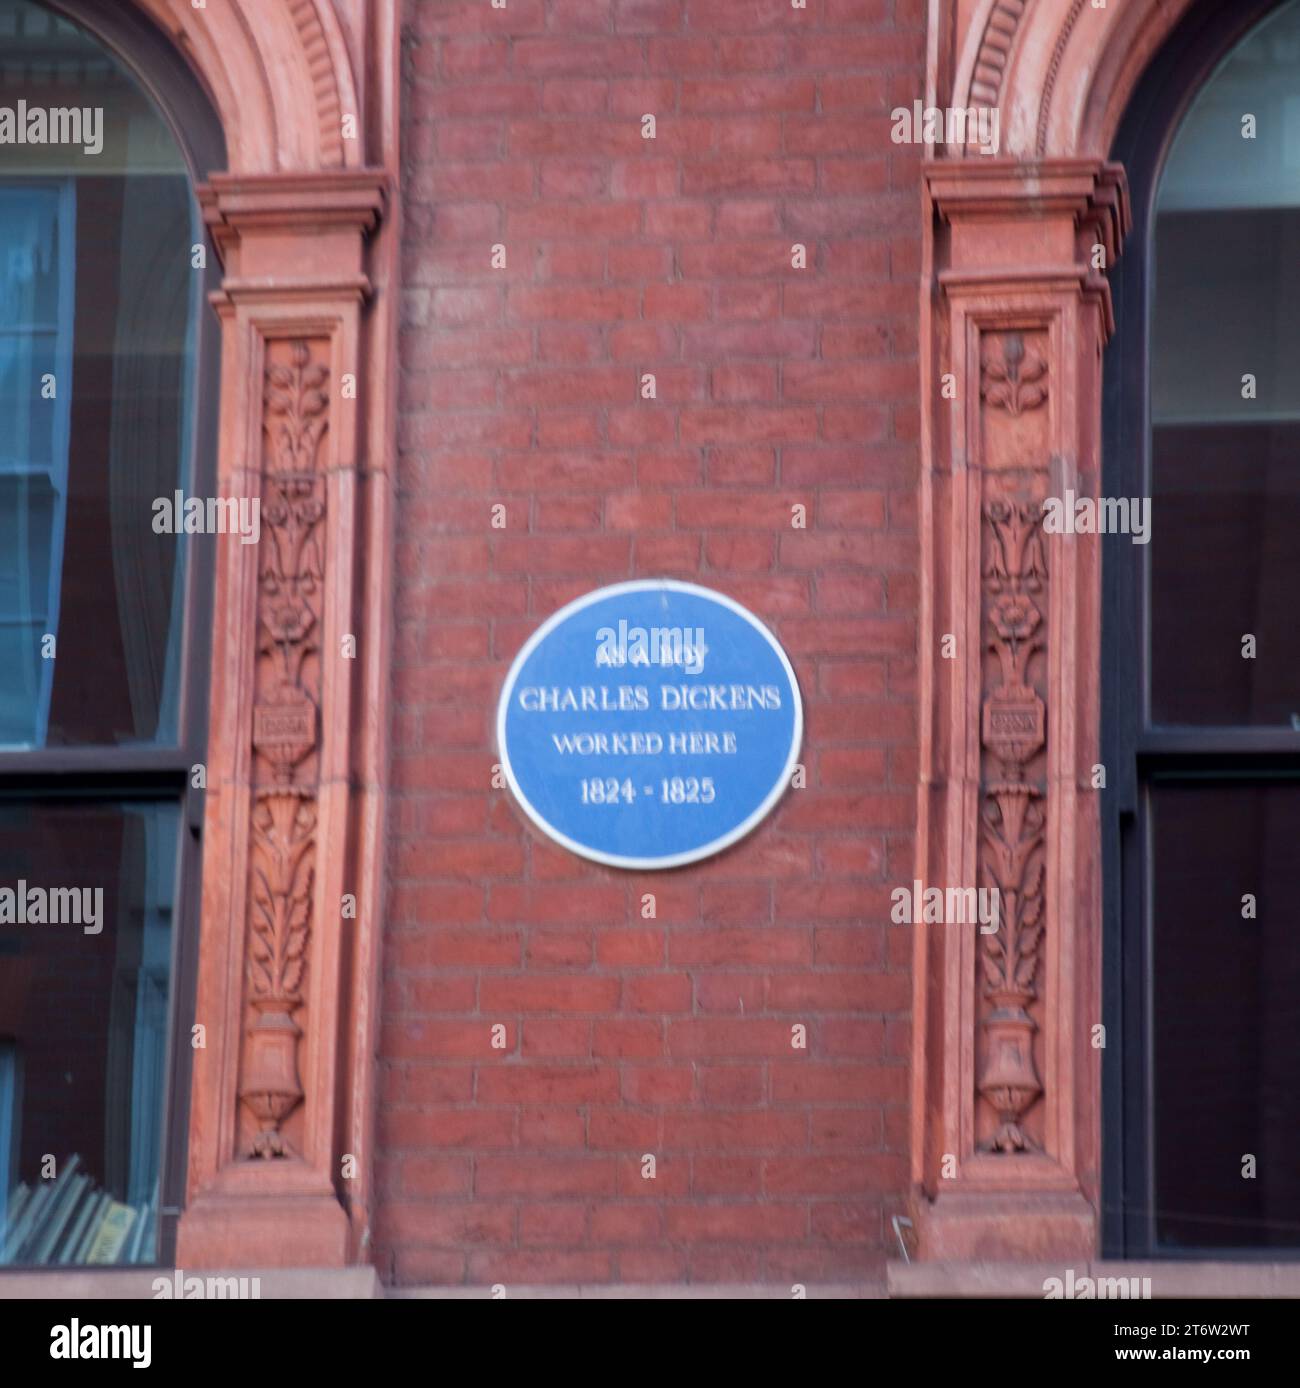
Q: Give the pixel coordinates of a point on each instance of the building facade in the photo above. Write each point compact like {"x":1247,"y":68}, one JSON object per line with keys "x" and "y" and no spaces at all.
{"x":889,"y":269}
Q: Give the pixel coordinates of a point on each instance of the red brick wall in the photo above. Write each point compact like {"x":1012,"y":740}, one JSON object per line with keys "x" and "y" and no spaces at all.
{"x":776,"y":386}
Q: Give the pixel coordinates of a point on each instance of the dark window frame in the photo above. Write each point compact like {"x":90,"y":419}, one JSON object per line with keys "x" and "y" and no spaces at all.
{"x":1135,"y":754}
{"x":161,"y":771}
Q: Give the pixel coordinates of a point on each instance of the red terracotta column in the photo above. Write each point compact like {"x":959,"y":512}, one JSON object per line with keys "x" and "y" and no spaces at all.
{"x":1006,"y":1092}
{"x":276,"y":1110}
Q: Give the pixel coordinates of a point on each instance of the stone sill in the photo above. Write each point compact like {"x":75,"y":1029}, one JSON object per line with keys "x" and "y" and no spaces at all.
{"x":277,"y":1284}
{"x":658,"y":1291}
{"x":362,"y":1283}
{"x":1170,"y":1280}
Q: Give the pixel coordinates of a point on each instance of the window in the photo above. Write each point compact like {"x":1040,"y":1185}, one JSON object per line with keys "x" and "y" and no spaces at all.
{"x":1201,"y":692}
{"x":106,"y":341}
{"x":36,"y":231}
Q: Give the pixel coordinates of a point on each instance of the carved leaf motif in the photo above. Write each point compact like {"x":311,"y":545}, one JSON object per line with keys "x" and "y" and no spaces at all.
{"x":1014,"y":576}
{"x":283,"y":878}
{"x":291,"y":559}
{"x":282,"y":844}
{"x":1014,"y":379}
{"x":295,"y":396}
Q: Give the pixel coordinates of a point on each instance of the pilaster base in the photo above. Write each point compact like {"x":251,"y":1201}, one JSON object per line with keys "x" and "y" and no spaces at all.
{"x":270,"y":1231}
{"x":970,"y":1227}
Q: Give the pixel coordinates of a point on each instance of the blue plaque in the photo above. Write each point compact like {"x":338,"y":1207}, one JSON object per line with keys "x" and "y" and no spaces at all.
{"x":649,"y":724}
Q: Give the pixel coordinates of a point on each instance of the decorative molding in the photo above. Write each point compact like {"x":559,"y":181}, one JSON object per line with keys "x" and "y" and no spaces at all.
{"x":1002,"y":1079}
{"x":283,"y":877}
{"x":324,"y":80}
{"x":285,"y":737}
{"x":995,"y":51}
{"x":1053,"y":71}
{"x":309,"y":207}
{"x":1013,"y":378}
{"x":304,"y":225}
{"x":1012,"y":813}
{"x":281,"y":76}
{"x":1059,"y":72}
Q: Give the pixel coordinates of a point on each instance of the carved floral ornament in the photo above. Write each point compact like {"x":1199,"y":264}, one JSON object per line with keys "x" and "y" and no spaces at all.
{"x":1020,"y":314}
{"x":285,"y":736}
{"x":1012,"y":856}
{"x":1013,"y":377}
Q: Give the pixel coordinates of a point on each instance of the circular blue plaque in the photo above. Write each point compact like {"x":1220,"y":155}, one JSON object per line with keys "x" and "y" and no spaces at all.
{"x":649,"y":724}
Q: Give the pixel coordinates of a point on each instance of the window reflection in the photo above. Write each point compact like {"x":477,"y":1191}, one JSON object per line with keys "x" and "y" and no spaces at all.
{"x":1225,"y":362}
{"x":84,"y":995}
{"x":98,"y":309}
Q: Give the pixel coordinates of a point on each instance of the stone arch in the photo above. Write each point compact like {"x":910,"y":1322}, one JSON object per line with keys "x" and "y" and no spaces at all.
{"x":279,"y":75}
{"x":1059,"y":72}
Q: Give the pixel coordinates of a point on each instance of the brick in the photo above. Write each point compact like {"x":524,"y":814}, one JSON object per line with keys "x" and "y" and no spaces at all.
{"x":647,"y":16}
{"x":729,"y":1085}
{"x":457,"y":17}
{"x":860,"y":1173}
{"x":741,"y":1223}
{"x":717,"y":1039}
{"x":756,"y":175}
{"x":679,"y":303}
{"x":658,"y":993}
{"x":574,"y":305}
{"x":578,"y":56}
{"x":464,"y":58}
{"x":543,"y":1037}
{"x":569,"y":96}
{"x":642,"y":1039}
{"x":542,"y":1129}
{"x":557,"y":993}
{"x":550,"y":1265}
{"x":774,"y":386}
{"x":626,"y":1224}
{"x":841,"y":992}
{"x":735,"y":424}
{"x":567,"y":1084}
{"x":766,"y":94}
{"x":552,"y":1224}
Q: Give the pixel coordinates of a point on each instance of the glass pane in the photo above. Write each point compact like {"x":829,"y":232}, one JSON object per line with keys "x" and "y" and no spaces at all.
{"x":22,"y":671}
{"x":1226,"y":1015}
{"x":1225,"y":566}
{"x":98,"y":293}
{"x":30,"y":517}
{"x":29,"y":234}
{"x":1225,"y":366}
{"x":86,"y":902}
{"x":27,"y":517}
{"x":27,"y":361}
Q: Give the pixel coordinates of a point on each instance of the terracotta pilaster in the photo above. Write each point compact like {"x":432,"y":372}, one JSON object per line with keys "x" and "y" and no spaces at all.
{"x":288,"y":771}
{"x":1006,"y":1082}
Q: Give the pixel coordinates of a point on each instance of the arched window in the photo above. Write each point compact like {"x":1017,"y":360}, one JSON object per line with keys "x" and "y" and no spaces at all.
{"x":106,"y":429}
{"x":1201,"y":822}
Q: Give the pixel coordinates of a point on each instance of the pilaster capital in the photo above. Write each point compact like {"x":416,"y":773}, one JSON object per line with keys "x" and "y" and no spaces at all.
{"x":294,"y":228}
{"x":1008,"y":226}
